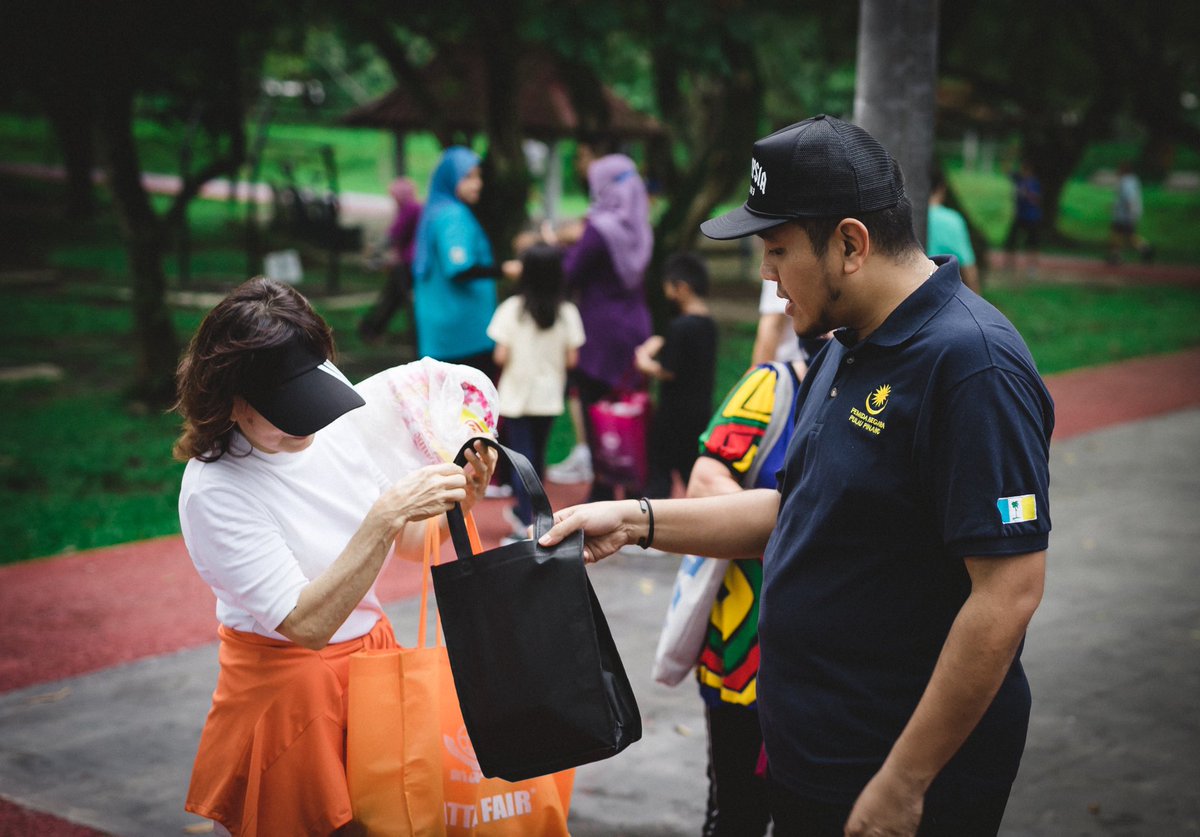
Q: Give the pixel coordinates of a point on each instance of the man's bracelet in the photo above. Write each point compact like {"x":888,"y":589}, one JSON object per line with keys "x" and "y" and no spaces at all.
{"x":647,"y":510}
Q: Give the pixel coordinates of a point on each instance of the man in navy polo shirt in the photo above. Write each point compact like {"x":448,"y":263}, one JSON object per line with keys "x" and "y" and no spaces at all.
{"x":905,"y":546}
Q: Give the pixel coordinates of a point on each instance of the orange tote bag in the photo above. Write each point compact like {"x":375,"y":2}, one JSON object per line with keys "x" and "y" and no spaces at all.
{"x":410,"y":765}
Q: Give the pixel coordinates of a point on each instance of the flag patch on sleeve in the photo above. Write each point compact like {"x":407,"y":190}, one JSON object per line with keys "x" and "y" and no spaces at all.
{"x":1017,"y":509}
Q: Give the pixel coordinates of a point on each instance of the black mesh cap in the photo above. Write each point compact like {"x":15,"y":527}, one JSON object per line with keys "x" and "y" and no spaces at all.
{"x":817,"y":168}
{"x":297,"y":389}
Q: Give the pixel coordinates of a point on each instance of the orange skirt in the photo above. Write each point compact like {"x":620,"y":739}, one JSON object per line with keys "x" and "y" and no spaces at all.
{"x":272,"y":757}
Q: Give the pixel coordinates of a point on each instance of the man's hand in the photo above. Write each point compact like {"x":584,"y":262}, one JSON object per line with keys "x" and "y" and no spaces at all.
{"x":606,"y":527}
{"x":888,"y":806}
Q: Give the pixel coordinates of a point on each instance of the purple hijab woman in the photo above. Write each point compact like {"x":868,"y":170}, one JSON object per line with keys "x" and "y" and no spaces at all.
{"x":604,"y":271}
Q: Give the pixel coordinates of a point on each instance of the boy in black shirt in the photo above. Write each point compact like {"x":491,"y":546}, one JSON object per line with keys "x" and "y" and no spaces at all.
{"x":684,"y":363}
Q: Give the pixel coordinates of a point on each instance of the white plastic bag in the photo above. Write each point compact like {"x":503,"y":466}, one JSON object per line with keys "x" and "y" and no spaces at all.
{"x":421,"y":413}
{"x":682,"y":637}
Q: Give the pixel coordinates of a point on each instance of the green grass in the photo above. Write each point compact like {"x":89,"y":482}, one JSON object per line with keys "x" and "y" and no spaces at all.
{"x":364,"y":157}
{"x":365,"y":162}
{"x":80,"y":468}
{"x":1085,"y":215}
{"x":1072,"y":326}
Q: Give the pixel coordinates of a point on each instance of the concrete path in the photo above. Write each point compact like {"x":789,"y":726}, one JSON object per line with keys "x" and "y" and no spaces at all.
{"x":104,"y":746}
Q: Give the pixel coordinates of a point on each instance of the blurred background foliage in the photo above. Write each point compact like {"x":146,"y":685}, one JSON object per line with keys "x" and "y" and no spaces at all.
{"x":92,"y":278}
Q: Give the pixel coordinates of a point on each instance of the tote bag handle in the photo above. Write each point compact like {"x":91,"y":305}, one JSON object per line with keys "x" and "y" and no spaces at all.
{"x":433,"y":552}
{"x":543,"y":515}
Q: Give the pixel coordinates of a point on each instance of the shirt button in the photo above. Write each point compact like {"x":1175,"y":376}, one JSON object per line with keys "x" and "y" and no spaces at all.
{"x":833,"y":393}
{"x":849,"y":361}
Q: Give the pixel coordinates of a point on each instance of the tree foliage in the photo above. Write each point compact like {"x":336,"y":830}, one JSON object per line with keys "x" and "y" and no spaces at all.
{"x":97,"y":67}
{"x":1061,"y":74}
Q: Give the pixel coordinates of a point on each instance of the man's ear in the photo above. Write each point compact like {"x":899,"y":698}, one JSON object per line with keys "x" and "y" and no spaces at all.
{"x":854,"y":243}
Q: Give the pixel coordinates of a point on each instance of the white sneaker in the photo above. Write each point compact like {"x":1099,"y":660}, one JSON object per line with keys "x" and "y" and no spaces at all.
{"x":520,"y":531}
{"x":577,"y":467}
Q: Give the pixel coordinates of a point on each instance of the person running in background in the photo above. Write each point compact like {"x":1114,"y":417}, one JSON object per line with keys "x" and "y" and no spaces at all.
{"x":1127,"y":212}
{"x":538,"y":335}
{"x":1027,"y":217}
{"x":453,"y":267}
{"x":396,"y":293}
{"x":947,"y":233}
{"x":684,"y":363}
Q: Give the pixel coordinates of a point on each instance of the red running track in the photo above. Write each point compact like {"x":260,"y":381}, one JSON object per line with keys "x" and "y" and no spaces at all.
{"x":79,"y":613}
{"x":75,"y":614}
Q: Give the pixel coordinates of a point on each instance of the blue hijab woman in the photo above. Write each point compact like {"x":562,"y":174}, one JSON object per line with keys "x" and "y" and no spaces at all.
{"x":453,"y":267}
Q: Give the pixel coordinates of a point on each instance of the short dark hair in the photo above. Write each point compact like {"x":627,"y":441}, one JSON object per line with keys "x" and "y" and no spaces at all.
{"x":891,"y":229}
{"x":259,"y":314}
{"x":689,"y":269}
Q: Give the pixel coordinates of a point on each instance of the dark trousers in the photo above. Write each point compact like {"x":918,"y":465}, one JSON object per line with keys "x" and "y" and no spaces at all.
{"x":674,"y":445}
{"x":948,"y":813}
{"x":395,"y":295}
{"x":737,"y":798}
{"x":1029,"y":231}
{"x":527,"y":435}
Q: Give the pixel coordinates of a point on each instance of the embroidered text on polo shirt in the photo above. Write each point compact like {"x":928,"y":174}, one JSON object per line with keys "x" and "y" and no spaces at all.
{"x":875,"y":404}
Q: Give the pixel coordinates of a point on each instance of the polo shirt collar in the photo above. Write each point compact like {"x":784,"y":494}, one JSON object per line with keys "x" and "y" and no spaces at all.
{"x":911,"y":314}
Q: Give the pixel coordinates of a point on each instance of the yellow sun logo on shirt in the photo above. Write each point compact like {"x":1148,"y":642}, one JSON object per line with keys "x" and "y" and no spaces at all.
{"x":877,"y":400}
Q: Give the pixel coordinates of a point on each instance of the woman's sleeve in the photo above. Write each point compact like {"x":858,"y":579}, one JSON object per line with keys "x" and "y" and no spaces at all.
{"x":452,"y":244}
{"x":500,"y":329}
{"x":579,"y":262}
{"x":240,"y":552}
{"x":576,"y":336}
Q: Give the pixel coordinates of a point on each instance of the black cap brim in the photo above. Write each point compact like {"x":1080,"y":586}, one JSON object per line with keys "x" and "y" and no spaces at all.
{"x":309,"y":401}
{"x":739,"y":223}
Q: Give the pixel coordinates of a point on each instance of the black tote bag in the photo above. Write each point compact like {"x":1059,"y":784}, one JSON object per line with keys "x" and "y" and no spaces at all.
{"x":537,"y":673}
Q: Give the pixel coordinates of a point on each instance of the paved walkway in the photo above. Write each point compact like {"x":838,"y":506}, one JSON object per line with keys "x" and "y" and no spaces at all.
{"x":107,"y":660}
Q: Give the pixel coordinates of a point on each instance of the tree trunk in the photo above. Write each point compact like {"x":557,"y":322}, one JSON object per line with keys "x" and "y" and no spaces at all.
{"x":145,"y":242}
{"x":727,"y":126}
{"x":722,"y":128}
{"x":506,"y":177}
{"x":71,"y":116}
{"x":894,"y":91}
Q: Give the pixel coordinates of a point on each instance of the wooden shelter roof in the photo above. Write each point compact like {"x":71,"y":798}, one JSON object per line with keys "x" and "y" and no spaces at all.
{"x":457,"y":84}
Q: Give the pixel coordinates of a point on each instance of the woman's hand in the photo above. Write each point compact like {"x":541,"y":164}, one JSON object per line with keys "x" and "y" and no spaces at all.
{"x":481,"y":464}
{"x":511,"y":269}
{"x":426,"y":492}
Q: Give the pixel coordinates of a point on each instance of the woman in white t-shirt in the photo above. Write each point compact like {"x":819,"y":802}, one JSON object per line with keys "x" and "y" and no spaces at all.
{"x":289,"y":522}
{"x":538,"y":335}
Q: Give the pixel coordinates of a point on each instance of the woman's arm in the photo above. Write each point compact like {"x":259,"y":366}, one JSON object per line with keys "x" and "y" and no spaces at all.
{"x":329,"y":599}
{"x":479,"y":271}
